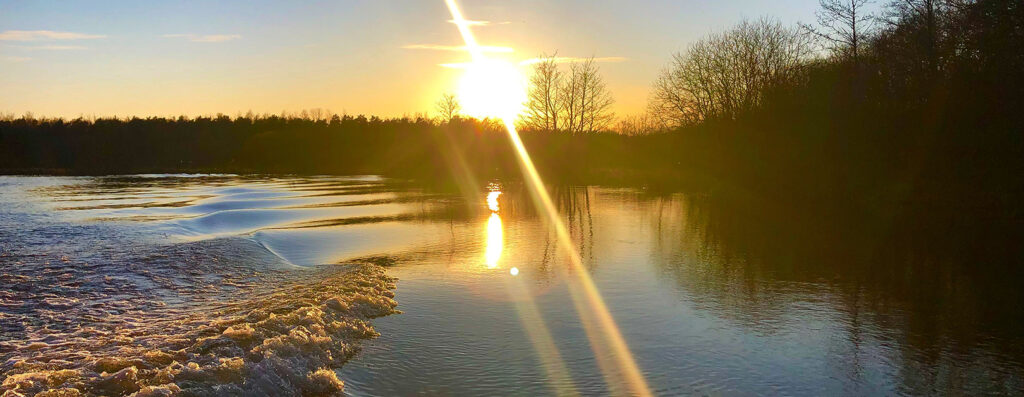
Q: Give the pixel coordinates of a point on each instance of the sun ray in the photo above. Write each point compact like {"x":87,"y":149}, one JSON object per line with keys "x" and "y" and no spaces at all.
{"x":488,"y":87}
{"x":588,"y":299}
{"x":591,"y":297}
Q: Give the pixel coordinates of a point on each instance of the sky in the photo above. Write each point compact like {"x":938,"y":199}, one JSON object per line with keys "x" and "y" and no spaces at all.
{"x":375,"y":57}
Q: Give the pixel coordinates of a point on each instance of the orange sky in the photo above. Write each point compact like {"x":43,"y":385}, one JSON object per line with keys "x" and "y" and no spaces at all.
{"x":372,"y":57}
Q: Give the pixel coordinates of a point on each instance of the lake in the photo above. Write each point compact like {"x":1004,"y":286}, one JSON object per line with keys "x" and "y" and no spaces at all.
{"x":710,"y":296}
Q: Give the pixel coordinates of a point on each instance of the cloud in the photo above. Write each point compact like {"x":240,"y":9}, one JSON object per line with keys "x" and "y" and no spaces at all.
{"x":573,"y":60}
{"x":532,"y":61}
{"x":16,"y":59}
{"x":45,"y":35}
{"x":438,"y":47}
{"x":52,"y":47}
{"x":479,"y":23}
{"x":208,"y":38}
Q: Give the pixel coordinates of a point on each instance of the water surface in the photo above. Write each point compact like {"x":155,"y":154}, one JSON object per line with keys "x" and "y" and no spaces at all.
{"x":711,"y":298}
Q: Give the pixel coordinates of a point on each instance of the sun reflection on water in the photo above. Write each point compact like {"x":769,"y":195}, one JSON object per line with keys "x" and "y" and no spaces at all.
{"x":610,"y":348}
{"x":495,"y":235}
{"x":492,"y":201}
{"x":495,"y":240}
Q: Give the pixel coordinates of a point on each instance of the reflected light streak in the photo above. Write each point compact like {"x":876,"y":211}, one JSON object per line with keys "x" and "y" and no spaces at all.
{"x":595,"y":311}
{"x":529,"y":314}
{"x":495,"y":241}
{"x":495,"y":234}
{"x":492,"y":201}
{"x":540,"y":337}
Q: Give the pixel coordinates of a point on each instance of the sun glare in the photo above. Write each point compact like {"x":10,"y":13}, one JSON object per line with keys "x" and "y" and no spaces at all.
{"x":495,"y":237}
{"x":492,"y":88}
{"x":492,"y":201}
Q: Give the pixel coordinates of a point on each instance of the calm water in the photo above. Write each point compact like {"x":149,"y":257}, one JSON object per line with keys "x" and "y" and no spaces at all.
{"x":711,"y":299}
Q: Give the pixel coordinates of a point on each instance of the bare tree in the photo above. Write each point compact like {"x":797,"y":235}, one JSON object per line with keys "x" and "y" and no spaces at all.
{"x":577,"y":102}
{"x":843,"y":25}
{"x":925,"y":16}
{"x":448,"y":107}
{"x":319,"y":114}
{"x":727,"y":74}
{"x":586,"y":100}
{"x":544,"y":107}
{"x":638,"y":124}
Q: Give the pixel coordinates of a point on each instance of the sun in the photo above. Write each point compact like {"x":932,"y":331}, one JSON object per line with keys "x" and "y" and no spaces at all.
{"x":492,"y":88}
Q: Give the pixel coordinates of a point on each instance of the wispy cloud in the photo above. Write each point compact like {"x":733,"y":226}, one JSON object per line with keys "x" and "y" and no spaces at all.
{"x":456,"y":48}
{"x":479,"y":23}
{"x":51,"y":47}
{"x":207,"y":38}
{"x":532,"y":61}
{"x":15,"y":59}
{"x":45,"y":35}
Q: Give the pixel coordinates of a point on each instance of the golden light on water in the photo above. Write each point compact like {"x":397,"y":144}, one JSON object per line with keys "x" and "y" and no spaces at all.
{"x":613,"y":355}
{"x":495,"y":235}
{"x":492,"y":201}
{"x":495,"y":241}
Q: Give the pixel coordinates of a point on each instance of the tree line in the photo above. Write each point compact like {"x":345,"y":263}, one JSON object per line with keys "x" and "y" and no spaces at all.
{"x":407,"y":147}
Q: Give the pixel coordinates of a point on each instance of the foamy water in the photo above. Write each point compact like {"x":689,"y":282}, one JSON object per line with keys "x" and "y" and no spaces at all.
{"x":156,"y":285}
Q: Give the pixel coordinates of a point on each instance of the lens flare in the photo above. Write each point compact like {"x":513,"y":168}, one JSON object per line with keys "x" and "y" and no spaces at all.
{"x":614,"y":356}
{"x":606,"y":338}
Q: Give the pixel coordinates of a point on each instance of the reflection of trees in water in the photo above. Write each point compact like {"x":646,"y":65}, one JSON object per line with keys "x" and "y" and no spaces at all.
{"x":574,"y":204}
{"x":934,"y":293}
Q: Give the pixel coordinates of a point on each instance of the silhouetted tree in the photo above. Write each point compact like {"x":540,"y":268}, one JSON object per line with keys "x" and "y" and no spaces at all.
{"x":448,"y":107}
{"x":921,"y":21}
{"x":843,"y":25}
{"x":586,"y":99}
{"x":727,"y":74}
{"x":638,"y":124}
{"x":576,"y":102}
{"x":545,"y":105}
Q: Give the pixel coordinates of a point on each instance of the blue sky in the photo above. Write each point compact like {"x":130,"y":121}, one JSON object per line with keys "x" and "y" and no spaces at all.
{"x":205,"y":57}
